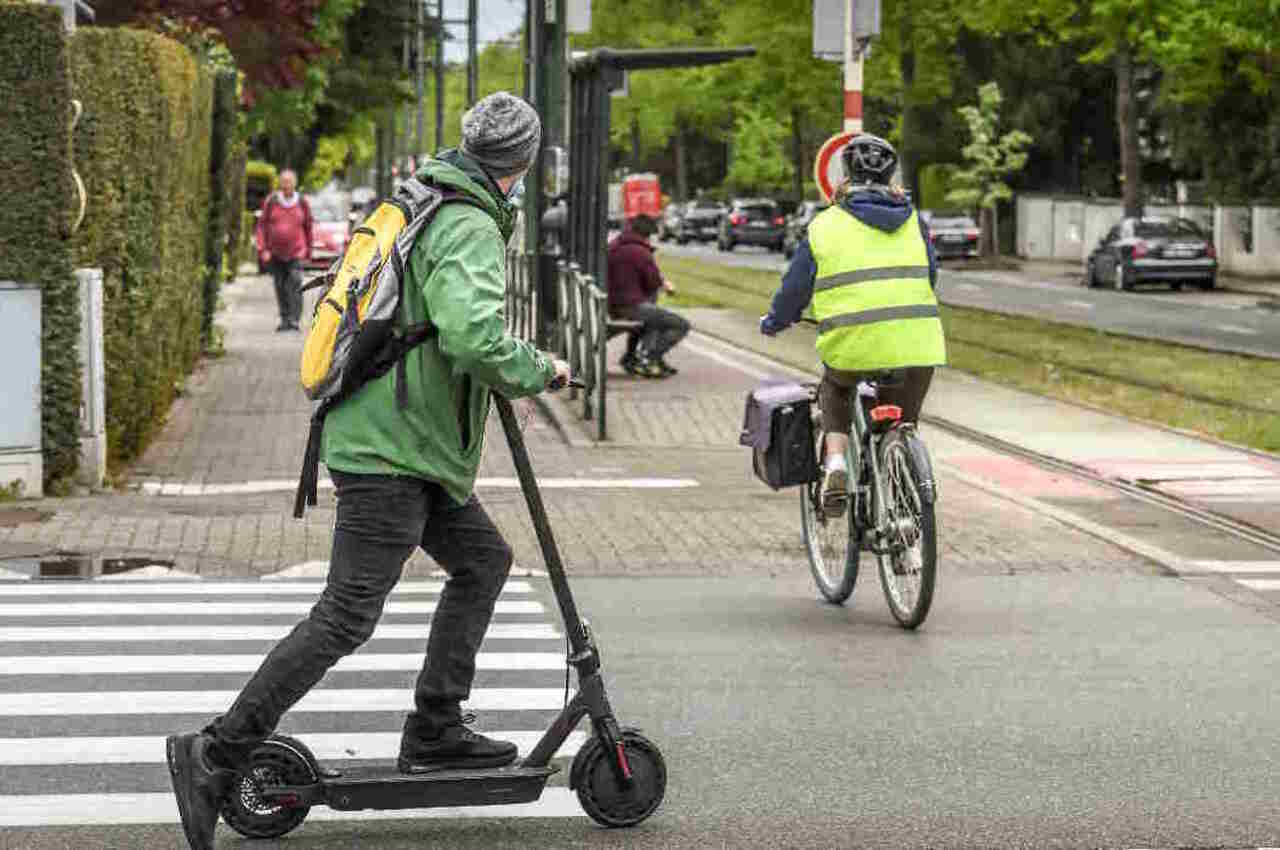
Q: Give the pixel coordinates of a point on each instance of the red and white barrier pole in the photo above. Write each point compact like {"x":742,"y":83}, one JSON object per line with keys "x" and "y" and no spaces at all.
{"x":852,"y":75}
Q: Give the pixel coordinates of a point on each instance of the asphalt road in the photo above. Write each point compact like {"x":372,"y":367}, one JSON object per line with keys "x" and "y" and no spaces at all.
{"x":1096,"y":710}
{"x":1220,"y":320}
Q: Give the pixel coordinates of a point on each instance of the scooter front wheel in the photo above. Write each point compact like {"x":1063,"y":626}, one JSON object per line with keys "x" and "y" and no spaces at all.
{"x":279,"y":760}
{"x":606,"y":800}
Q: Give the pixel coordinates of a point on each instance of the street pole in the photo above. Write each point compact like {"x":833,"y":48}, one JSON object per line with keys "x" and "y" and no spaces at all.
{"x":852,"y":74}
{"x":420,"y":141}
{"x":439,"y":75}
{"x":471,"y":52}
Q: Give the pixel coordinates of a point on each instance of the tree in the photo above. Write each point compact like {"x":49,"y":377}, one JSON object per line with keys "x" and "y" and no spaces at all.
{"x":1126,"y":33}
{"x":989,"y":160}
{"x":760,"y":162}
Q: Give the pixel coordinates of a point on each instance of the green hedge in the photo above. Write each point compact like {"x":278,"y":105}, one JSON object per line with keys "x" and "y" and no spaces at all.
{"x":143,"y":152}
{"x":221,"y":211}
{"x":236,"y":211}
{"x":36,"y":215}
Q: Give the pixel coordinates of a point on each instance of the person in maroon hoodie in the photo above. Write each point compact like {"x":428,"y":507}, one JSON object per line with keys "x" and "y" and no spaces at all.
{"x":634,"y":282}
{"x":283,"y":235}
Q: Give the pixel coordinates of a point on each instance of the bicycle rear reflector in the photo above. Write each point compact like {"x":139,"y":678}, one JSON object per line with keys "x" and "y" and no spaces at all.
{"x":886,"y":413}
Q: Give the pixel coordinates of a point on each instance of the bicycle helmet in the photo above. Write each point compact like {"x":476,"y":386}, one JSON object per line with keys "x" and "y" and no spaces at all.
{"x":869,"y":159}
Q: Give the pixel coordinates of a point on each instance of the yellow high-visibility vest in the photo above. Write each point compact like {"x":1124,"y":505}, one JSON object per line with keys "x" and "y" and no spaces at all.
{"x":872,"y":299}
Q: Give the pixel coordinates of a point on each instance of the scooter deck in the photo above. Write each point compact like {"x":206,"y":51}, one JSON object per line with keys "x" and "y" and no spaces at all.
{"x":384,"y":787}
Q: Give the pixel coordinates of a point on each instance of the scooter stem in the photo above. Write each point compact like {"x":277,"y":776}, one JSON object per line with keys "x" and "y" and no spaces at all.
{"x":542,"y":527}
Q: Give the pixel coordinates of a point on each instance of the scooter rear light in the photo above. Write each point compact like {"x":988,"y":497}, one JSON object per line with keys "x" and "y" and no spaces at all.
{"x":886,"y":413}
{"x":1210,"y":252}
{"x":971,"y":235}
{"x":1139,"y":249}
{"x":736,"y":219}
{"x":779,"y":221}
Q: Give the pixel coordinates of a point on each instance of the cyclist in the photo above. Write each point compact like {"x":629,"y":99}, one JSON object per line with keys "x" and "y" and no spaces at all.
{"x":868,"y":267}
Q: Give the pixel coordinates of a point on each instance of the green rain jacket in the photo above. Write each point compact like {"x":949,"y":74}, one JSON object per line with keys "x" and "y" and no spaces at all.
{"x":457,"y":277}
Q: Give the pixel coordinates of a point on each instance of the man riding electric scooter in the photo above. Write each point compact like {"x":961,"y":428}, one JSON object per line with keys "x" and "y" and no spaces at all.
{"x":404,"y":475}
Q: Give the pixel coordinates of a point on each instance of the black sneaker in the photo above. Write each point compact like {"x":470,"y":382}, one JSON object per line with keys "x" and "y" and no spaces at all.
{"x":457,"y":747}
{"x":283,"y":326}
{"x":667,"y":369}
{"x":199,"y":787}
{"x":629,"y":364}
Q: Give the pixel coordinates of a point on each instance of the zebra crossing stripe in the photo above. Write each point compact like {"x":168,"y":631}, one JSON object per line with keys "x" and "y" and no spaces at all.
{"x":121,"y":809}
{"x":215,"y":588}
{"x":150,"y":749}
{"x":222,"y":609}
{"x":360,"y":662}
{"x":62,"y":704}
{"x":178,"y":633}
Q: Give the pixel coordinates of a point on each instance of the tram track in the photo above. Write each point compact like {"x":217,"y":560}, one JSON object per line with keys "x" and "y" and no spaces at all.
{"x":1136,"y":490}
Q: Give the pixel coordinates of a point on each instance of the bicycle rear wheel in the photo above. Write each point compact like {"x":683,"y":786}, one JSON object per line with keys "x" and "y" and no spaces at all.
{"x":832,"y":543}
{"x":909,"y":562}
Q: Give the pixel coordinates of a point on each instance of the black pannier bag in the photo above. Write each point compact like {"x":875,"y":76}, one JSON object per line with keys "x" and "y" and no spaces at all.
{"x":778,"y":426}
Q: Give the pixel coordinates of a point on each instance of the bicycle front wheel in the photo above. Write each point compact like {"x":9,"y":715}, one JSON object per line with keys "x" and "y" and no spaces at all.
{"x":831,"y":542}
{"x":908,"y":553}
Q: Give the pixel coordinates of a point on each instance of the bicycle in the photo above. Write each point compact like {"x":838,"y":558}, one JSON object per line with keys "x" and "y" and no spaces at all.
{"x":889,"y":511}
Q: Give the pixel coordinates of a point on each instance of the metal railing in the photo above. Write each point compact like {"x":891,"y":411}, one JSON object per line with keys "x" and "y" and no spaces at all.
{"x":522,"y":297}
{"x":583,"y":323}
{"x":582,"y":327}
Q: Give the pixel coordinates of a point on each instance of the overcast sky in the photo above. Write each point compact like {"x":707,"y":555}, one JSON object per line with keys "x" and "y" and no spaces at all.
{"x":498,"y":18}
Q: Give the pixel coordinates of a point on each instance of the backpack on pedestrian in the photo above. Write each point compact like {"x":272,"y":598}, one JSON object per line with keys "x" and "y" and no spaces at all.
{"x":356,"y":334}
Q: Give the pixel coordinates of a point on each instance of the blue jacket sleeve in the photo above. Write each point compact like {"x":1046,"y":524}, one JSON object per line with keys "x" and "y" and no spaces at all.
{"x":791,"y":299}
{"x":933,"y":258}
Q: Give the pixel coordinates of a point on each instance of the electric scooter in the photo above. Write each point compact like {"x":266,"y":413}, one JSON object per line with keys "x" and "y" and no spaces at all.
{"x":619,"y":775}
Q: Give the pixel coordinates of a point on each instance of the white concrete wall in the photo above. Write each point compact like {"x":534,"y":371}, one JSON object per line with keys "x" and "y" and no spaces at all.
{"x":1098,"y":219}
{"x":1035,"y":228}
{"x":1069,"y":230}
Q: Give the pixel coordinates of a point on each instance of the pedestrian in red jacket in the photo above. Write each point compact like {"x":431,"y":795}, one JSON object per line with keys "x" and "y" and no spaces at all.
{"x":634,"y":282}
{"x":283,"y":235}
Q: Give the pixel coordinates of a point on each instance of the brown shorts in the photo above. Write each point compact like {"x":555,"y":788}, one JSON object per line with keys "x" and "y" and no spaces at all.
{"x":836,"y":390}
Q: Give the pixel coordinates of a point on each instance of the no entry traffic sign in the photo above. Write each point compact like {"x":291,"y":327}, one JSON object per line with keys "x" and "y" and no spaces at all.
{"x":828,"y":169}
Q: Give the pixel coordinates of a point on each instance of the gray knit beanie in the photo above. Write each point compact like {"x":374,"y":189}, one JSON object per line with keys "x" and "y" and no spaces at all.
{"x":501,"y":132}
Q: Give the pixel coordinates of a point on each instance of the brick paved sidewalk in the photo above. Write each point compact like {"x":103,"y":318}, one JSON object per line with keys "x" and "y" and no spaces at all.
{"x":214,"y":493}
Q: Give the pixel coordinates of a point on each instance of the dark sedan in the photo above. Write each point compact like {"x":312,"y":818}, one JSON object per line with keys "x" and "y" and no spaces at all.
{"x":953,"y":236}
{"x":700,"y":222}
{"x":798,"y":225}
{"x":1142,"y":250}
{"x":752,"y":222}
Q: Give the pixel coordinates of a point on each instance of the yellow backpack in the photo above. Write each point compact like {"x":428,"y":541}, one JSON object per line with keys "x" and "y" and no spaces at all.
{"x":356,"y":334}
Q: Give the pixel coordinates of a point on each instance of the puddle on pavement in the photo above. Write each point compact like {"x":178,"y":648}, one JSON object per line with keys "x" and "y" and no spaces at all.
{"x":74,"y":565}
{"x":13,"y":517}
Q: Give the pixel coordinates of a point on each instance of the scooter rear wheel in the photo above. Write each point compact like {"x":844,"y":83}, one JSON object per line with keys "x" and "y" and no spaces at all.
{"x":277,"y":761}
{"x":607,"y":801}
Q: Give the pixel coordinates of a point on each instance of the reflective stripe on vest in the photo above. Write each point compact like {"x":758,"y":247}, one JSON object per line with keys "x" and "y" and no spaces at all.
{"x":872,"y":299}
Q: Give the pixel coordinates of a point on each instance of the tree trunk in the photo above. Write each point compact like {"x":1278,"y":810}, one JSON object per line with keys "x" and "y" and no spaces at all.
{"x":797,"y":156}
{"x":635,"y":143}
{"x":682,"y":164}
{"x":907,"y":66}
{"x":1127,"y":123}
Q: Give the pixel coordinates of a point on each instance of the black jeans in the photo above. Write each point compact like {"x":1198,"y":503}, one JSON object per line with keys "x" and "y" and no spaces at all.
{"x":381,"y":518}
{"x":287,"y":277}
{"x":662,"y":329}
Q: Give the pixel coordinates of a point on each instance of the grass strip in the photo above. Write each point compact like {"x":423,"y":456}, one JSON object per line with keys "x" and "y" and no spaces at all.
{"x":1231,"y":397}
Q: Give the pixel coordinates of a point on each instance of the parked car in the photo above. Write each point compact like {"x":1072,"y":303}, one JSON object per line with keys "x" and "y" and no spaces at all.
{"x":1138,"y":250}
{"x":669,"y":223}
{"x":953,"y":235}
{"x":797,"y":227}
{"x":330,"y":230}
{"x":700,"y":222}
{"x":752,"y":221}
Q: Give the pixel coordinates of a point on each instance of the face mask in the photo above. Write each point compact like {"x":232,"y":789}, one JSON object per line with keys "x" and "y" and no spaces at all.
{"x":515,"y":194}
